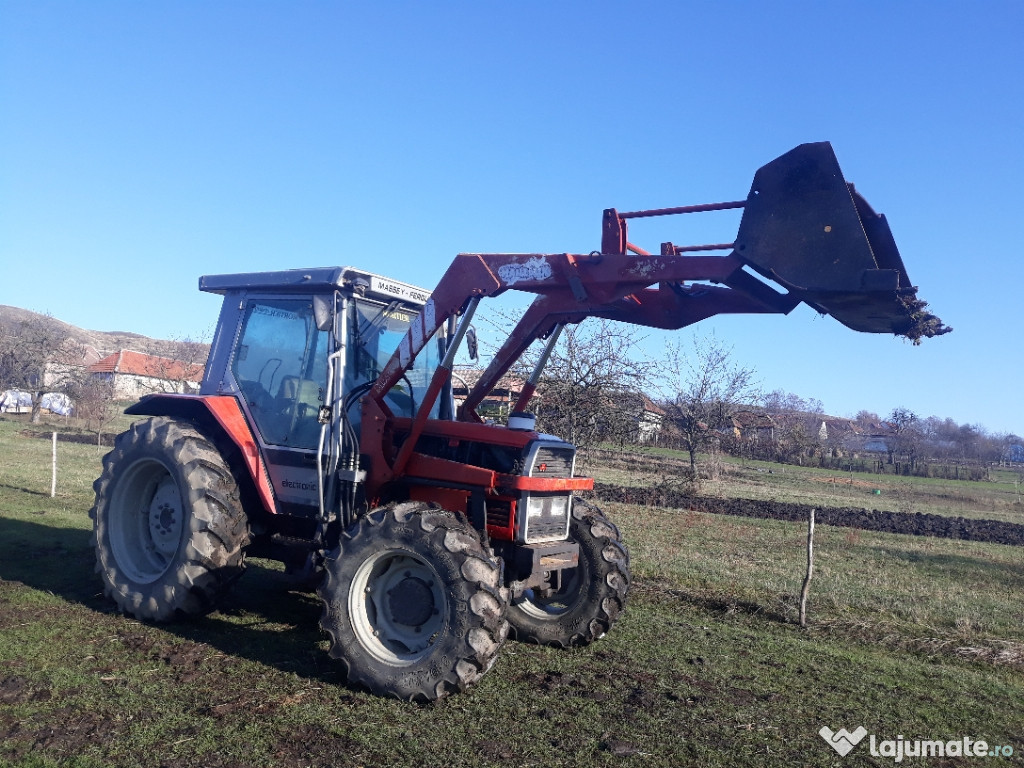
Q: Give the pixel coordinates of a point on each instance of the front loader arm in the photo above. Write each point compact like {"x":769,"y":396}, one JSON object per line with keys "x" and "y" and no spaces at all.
{"x":670,"y":306}
{"x":571,"y":287}
{"x":804,"y":228}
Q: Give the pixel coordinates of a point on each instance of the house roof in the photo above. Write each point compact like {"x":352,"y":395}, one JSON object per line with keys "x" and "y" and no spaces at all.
{"x":138,"y":364}
{"x":650,"y":406}
{"x":468,"y":377}
{"x":753,"y":420}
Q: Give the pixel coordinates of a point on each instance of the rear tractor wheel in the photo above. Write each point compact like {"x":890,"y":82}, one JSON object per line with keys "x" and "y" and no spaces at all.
{"x":169,"y":529}
{"x":413,"y":603}
{"x":586,"y":600}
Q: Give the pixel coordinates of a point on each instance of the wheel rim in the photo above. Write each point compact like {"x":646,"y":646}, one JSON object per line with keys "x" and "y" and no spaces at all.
{"x":146,"y":521}
{"x":398,"y":606}
{"x":556,"y":604}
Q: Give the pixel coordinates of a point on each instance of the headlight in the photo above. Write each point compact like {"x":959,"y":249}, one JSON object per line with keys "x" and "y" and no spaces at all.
{"x":544,"y":517}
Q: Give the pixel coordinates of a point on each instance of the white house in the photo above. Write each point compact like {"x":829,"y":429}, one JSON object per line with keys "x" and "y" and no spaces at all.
{"x":134,"y":374}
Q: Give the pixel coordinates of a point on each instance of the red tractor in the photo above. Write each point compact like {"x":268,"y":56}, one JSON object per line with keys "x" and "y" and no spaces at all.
{"x":326,"y":435}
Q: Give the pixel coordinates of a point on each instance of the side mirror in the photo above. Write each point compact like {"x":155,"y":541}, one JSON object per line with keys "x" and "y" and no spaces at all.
{"x":323,"y":311}
{"x":472,"y":347}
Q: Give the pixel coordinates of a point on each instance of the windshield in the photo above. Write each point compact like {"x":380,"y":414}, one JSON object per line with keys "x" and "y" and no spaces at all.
{"x":375,"y":330}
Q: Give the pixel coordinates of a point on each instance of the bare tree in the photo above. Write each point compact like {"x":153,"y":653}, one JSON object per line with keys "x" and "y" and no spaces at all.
{"x":940,"y":437}
{"x":94,"y":403}
{"x":799,"y":423}
{"x":966,"y":439}
{"x":593,"y":384}
{"x":867,"y":420}
{"x":905,"y":435}
{"x":1008,"y":445}
{"x":705,"y":387}
{"x":799,"y":440}
{"x":34,"y":355}
{"x":780,"y":401}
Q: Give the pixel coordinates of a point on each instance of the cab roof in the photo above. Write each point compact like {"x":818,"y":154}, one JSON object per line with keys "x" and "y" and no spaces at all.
{"x":315,"y":280}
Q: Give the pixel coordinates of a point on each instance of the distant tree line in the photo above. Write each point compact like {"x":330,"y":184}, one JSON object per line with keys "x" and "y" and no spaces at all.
{"x":899,"y":443}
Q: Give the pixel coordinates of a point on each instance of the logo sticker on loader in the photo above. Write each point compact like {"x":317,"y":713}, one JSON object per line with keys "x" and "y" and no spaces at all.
{"x":536,"y":268}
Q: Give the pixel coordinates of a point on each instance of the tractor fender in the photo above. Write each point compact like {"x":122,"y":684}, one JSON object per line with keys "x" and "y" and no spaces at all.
{"x":222,"y":414}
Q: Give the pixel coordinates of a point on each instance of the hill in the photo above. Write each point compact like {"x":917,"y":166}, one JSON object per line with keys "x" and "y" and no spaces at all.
{"x":102,"y":342}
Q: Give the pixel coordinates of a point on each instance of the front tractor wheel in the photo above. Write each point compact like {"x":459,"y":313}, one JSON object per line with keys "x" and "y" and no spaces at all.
{"x":585,"y":601}
{"x":413,"y":603}
{"x":168,"y":525}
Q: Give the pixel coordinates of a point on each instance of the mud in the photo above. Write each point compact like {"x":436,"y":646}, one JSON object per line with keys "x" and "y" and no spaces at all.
{"x":913,"y":524}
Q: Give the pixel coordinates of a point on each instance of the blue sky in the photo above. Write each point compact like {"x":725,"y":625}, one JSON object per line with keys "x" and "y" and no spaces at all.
{"x":144,"y":144}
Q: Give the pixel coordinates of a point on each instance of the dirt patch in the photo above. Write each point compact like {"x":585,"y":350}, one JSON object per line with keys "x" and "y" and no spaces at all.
{"x":913,"y":524}
{"x":73,"y":731}
{"x":308,"y":746}
{"x":14,"y":689}
{"x":70,"y":732}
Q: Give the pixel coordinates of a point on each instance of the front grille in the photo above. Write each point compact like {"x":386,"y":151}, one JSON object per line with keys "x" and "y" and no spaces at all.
{"x":545,"y":516}
{"x":552,"y":462}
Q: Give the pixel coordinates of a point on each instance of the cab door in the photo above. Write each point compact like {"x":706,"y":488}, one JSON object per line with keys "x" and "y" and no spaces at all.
{"x":280,"y":367}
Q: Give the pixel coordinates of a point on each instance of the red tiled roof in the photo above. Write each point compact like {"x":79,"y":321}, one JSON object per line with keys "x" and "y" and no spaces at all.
{"x":470,"y":377}
{"x":139,"y":364}
{"x":650,"y":406}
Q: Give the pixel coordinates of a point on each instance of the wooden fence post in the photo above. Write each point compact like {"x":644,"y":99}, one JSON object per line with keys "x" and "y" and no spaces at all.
{"x":810,"y":569}
{"x":53,"y":479}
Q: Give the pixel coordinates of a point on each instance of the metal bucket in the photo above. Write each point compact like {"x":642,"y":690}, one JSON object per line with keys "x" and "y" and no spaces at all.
{"x":805,"y":228}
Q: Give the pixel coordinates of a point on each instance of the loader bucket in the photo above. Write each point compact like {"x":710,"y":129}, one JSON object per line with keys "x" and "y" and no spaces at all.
{"x":807,"y":229}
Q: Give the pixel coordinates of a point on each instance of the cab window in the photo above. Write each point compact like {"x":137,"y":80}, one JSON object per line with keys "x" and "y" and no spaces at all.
{"x":280,"y":366}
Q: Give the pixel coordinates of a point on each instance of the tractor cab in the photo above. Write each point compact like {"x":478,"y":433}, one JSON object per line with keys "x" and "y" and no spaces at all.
{"x":298,"y":348}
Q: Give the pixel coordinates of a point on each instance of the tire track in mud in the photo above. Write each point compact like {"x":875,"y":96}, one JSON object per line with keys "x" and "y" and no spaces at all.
{"x":913,"y":524}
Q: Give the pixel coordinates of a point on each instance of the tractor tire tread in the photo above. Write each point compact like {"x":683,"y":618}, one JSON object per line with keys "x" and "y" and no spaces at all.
{"x":212,"y":556}
{"x":595,"y":614}
{"x":472,"y":653}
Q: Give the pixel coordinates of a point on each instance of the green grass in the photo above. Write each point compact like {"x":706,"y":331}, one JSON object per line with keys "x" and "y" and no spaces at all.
{"x":883,"y":587}
{"x":911,"y":636}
